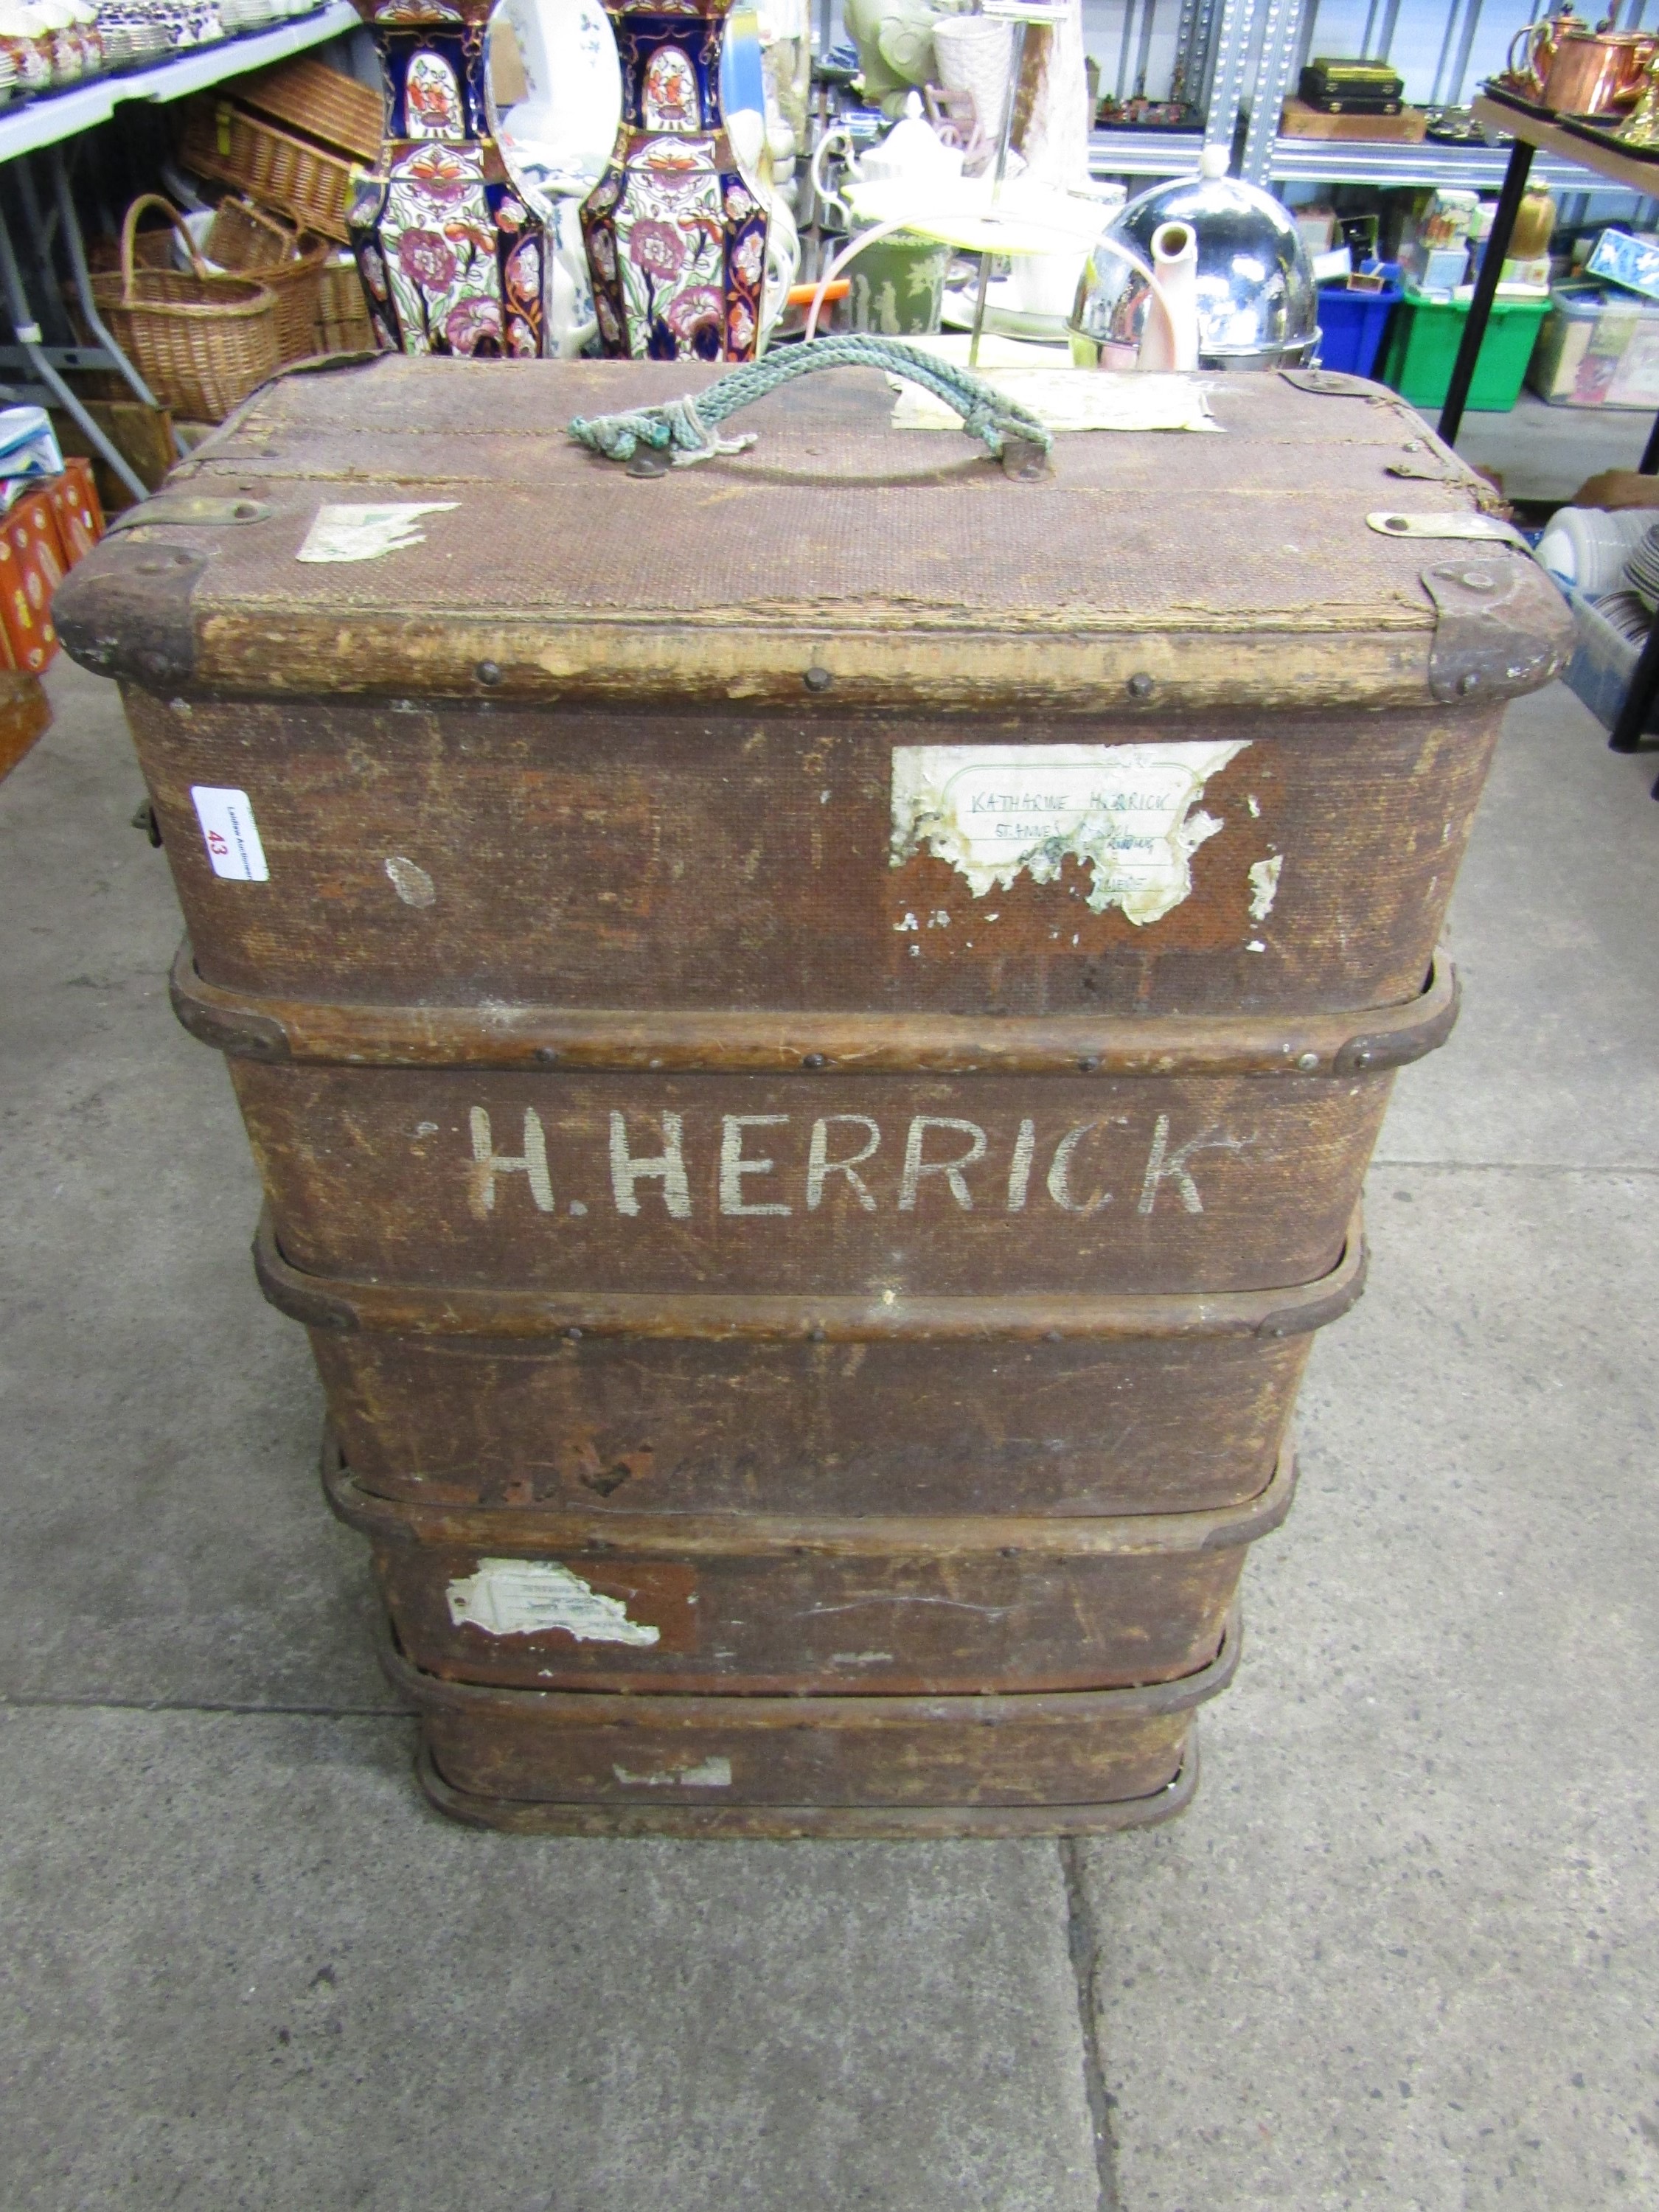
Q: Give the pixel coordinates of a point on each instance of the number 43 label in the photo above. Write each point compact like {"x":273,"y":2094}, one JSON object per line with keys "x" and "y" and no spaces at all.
{"x":230,"y":833}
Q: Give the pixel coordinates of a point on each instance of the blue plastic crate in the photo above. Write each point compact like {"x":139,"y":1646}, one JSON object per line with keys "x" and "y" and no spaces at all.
{"x":1603,"y":662}
{"x":1351,"y":325}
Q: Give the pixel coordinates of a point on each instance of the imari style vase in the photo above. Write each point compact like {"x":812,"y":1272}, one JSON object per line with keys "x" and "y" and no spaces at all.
{"x":452,"y":257}
{"x":675,"y":233}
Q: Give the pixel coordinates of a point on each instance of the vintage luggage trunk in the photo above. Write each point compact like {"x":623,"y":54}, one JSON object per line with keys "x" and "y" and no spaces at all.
{"x":812,"y":1025}
{"x":750,"y":737}
{"x":984,"y":1405}
{"x":1168,"y":1157}
{"x":1067,"y":1762}
{"x":770,"y":1604}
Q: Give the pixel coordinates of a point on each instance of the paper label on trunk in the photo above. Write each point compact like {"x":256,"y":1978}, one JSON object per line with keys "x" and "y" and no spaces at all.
{"x":230,"y":833}
{"x":1129,"y":813}
{"x":524,"y":1597}
{"x":1074,"y":399}
{"x":367,"y":534}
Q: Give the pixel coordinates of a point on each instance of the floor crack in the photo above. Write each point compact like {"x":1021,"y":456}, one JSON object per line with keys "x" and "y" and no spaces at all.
{"x":1645,"y":1168}
{"x":1084,"y":1950}
{"x":26,"y":1701}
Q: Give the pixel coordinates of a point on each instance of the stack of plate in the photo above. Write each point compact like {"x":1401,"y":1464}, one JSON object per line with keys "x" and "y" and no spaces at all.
{"x":1641,"y":570}
{"x":1587,"y":548}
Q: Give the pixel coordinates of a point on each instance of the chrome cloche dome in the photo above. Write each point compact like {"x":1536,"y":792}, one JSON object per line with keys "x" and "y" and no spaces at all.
{"x":1257,"y":302}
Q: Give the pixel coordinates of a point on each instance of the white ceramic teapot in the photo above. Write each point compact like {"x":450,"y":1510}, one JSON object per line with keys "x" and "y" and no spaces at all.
{"x":911,"y":155}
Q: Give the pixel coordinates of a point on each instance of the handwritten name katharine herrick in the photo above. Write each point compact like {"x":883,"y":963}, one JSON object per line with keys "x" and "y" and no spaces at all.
{"x":756,"y":1165}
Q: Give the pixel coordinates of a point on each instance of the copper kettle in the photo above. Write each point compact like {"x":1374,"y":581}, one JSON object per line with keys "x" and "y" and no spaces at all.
{"x":1534,"y":45}
{"x":1597,"y":72}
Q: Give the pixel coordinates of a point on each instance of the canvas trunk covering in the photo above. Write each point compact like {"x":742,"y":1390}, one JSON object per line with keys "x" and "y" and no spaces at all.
{"x":812,"y":1026}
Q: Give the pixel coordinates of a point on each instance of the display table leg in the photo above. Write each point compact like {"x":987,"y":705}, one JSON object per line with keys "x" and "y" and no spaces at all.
{"x":1486,"y":287}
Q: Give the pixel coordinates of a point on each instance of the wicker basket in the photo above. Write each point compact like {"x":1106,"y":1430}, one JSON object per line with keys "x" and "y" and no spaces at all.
{"x":309,"y":185}
{"x":201,"y":342}
{"x":343,"y":318}
{"x":318,"y":102}
{"x":249,"y":242}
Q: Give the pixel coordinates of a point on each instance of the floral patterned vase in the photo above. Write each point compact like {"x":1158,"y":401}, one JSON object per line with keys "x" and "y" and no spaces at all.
{"x":451,"y":257}
{"x":675,"y":233}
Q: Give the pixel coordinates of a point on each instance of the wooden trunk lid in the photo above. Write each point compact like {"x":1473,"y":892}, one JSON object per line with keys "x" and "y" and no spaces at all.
{"x":873,"y":566}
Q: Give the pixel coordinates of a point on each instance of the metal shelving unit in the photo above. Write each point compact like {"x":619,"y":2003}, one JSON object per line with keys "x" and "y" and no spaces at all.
{"x":48,"y":121}
{"x":1144,"y":152}
{"x":33,"y":369}
{"x":1216,"y":42}
{"x":1476,"y":168}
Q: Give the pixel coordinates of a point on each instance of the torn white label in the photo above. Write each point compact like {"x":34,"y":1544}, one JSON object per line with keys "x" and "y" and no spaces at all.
{"x":230,"y":833}
{"x":1264,"y":886}
{"x":364,"y":533}
{"x":1125,"y":811}
{"x":708,"y":1774}
{"x":523,"y":1597}
{"x":1074,"y":399}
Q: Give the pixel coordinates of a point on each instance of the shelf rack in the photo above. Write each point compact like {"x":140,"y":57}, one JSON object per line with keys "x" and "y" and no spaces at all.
{"x":1275,"y":32}
{"x":42,"y":126}
{"x":1333,"y":161}
{"x":58,"y":116}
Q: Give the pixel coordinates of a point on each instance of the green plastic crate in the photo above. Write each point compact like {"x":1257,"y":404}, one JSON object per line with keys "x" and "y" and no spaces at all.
{"x":1426,"y":334}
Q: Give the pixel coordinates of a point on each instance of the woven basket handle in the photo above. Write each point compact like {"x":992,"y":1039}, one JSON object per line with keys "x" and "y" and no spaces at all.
{"x":129,"y":239}
{"x":289,"y":240}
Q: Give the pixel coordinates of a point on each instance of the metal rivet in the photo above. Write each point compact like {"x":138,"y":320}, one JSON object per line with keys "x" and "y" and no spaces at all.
{"x":1395,"y":522}
{"x":574,"y":1336}
{"x":815,"y":1059}
{"x":1087,"y":1064}
{"x":1307,"y":1062}
{"x":1478,"y":579}
{"x":818,"y":679}
{"x":1140,"y":687}
{"x":817,"y":1332}
{"x":1469,"y":681}
{"x":1362,"y":1057}
{"x":648,"y":462}
{"x":546,"y":1054}
{"x":488,"y":671}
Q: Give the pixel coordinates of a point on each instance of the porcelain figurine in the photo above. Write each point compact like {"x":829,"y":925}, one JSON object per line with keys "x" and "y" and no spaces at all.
{"x":677,"y":228}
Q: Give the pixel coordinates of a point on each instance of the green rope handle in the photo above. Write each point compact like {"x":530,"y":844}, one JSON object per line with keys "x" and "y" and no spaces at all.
{"x":684,"y":427}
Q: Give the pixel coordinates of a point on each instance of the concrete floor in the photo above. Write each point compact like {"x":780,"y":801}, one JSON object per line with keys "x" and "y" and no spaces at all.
{"x":1543,"y":453}
{"x":1403,"y":1953}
